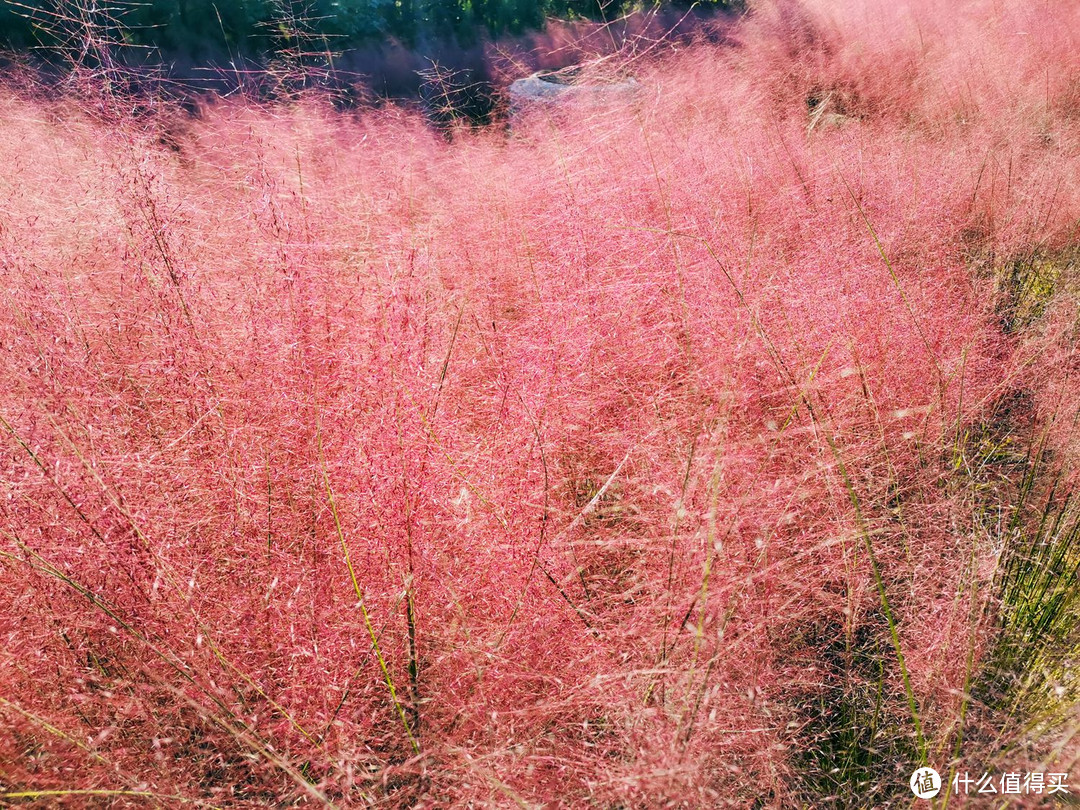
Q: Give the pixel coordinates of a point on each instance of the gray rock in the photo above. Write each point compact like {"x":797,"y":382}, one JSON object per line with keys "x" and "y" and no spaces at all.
{"x":547,"y":89}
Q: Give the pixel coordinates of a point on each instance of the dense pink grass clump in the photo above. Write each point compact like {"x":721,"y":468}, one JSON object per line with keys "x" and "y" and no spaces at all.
{"x":346,"y":464}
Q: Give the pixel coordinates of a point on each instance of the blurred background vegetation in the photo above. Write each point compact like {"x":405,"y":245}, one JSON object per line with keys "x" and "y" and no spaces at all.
{"x":207,"y":29}
{"x":451,"y":59}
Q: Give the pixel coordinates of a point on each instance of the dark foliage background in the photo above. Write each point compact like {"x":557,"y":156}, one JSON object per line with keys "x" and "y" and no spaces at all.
{"x":201,"y":29}
{"x":452,"y":55}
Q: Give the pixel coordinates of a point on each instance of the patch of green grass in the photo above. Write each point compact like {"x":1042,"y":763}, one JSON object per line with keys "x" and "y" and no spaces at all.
{"x":1025,"y":287}
{"x":1026,"y":685}
{"x":856,"y":730}
{"x":1029,"y":676}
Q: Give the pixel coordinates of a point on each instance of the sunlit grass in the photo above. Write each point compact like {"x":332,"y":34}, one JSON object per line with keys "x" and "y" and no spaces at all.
{"x":688,"y":452}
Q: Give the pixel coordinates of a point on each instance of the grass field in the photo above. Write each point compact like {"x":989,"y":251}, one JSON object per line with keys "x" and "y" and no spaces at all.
{"x":717,"y":448}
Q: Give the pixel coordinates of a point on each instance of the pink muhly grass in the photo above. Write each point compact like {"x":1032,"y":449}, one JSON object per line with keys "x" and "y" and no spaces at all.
{"x":348,"y":465}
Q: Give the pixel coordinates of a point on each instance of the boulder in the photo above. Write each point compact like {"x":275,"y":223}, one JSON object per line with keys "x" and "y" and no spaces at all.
{"x":547,"y":89}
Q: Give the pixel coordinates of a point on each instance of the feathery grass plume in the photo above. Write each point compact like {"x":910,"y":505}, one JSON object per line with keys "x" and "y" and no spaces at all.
{"x":714,"y":448}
